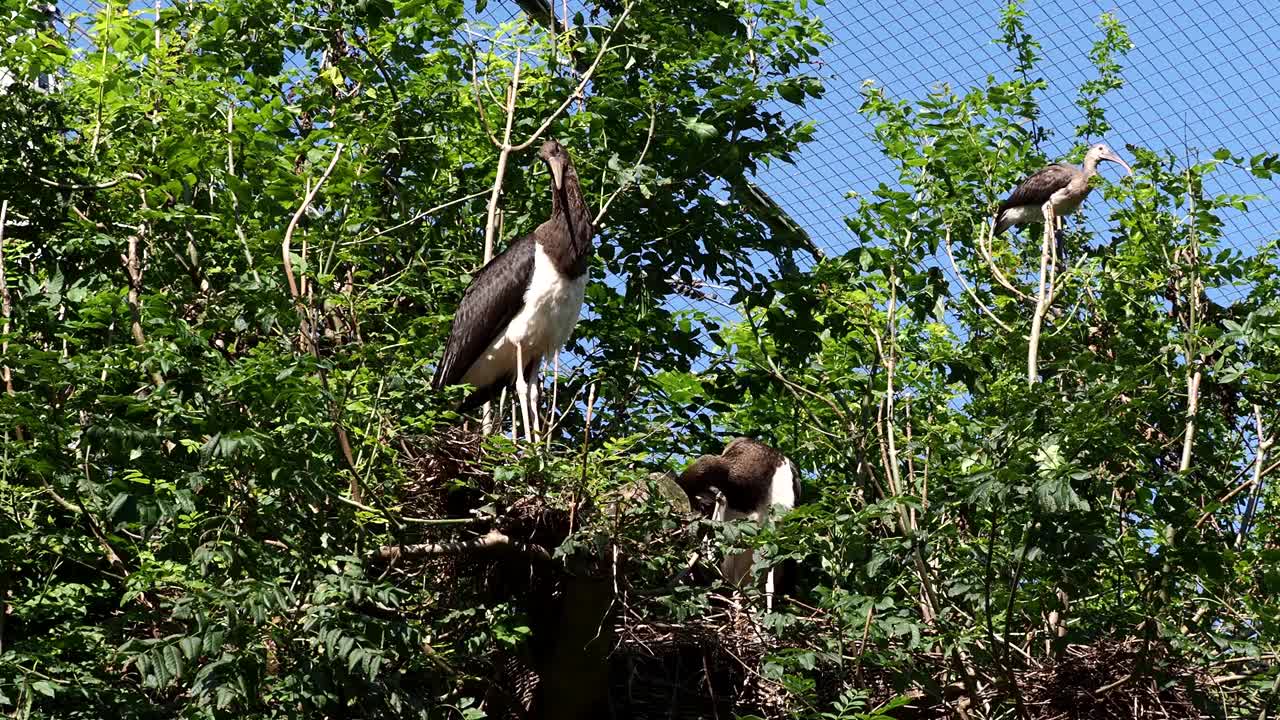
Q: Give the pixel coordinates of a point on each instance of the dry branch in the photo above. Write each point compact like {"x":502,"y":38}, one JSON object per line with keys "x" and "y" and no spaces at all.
{"x":1047,"y":251}
{"x":293,"y":222}
{"x":582,"y":83}
{"x":133,"y":268}
{"x":653,"y":117}
{"x":88,"y":186}
{"x":967,"y":289}
{"x":985,"y":249}
{"x":6,"y":310}
{"x":493,"y":541}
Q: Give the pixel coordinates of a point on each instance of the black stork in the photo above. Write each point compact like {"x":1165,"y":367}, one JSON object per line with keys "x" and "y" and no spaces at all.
{"x":523,"y":305}
{"x":751,"y":478}
{"x":1053,"y":191}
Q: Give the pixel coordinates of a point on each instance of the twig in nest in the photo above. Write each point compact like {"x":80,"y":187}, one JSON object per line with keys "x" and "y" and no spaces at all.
{"x":493,"y":541}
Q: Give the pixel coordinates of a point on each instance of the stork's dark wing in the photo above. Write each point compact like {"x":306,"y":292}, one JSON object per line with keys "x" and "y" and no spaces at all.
{"x":491,"y":301}
{"x":1037,"y":189}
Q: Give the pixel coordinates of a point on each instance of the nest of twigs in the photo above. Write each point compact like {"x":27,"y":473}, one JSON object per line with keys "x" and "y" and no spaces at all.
{"x":437,"y":465}
{"x":712,"y":666}
{"x":709,"y":666}
{"x":701,"y":667}
{"x":1112,"y":680}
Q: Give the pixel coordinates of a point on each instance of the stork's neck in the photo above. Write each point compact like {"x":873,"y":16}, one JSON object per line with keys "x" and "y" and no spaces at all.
{"x":1090,"y":167}
{"x":569,"y":209}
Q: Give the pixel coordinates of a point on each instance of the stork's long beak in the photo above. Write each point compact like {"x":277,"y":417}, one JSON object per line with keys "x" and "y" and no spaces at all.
{"x":557,"y":172}
{"x":1116,"y":159}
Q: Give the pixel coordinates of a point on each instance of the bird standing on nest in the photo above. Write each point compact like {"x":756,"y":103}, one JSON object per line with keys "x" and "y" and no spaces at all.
{"x":523,"y":305}
{"x":1053,"y":191}
{"x":751,"y":478}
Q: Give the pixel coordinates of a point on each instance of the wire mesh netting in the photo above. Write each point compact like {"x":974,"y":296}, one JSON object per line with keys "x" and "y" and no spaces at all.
{"x":1201,"y":76}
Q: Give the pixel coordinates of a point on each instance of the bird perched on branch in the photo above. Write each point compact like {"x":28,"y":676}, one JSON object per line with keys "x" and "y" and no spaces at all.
{"x":751,"y":478}
{"x":523,"y":305}
{"x":1053,"y":191}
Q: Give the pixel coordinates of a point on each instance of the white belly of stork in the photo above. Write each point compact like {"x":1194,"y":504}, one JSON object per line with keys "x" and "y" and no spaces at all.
{"x":1065,"y":202}
{"x":552,"y":304}
{"x":737,"y":566}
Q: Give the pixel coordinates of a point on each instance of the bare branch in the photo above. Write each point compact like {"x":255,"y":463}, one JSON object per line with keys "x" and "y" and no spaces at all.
{"x":484,"y":116}
{"x":1193,"y":405}
{"x":491,"y":222}
{"x":653,"y":119}
{"x":6,"y":310}
{"x":133,"y":268}
{"x":88,"y":186}
{"x":1264,"y":444}
{"x":1042,"y":299}
{"x":493,"y":541}
{"x":419,"y":216}
{"x":991,"y":262}
{"x":963,"y":284}
{"x":293,"y":222}
{"x":582,"y":84}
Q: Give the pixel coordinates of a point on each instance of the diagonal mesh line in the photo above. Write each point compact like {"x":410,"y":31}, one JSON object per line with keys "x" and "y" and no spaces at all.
{"x":1200,"y":75}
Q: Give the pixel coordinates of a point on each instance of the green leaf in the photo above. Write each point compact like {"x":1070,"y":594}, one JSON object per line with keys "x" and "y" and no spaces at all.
{"x":44,"y":687}
{"x":701,"y":129}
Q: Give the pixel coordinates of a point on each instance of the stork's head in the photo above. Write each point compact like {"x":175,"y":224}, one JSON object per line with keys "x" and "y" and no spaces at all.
{"x":557,"y":160}
{"x":1100,"y":152}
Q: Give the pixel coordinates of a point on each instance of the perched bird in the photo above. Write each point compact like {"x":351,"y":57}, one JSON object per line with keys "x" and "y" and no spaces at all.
{"x":1053,"y":191}
{"x":751,"y":478}
{"x":523,"y":305}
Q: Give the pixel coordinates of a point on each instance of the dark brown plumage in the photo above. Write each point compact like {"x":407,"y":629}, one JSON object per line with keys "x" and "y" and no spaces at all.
{"x":525,"y":302}
{"x":743,"y":473}
{"x":752,"y":477}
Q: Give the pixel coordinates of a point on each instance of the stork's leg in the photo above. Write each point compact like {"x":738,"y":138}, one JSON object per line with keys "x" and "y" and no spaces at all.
{"x":535,"y":396}
{"x":514,"y":433}
{"x":769,"y":589}
{"x":522,"y":392}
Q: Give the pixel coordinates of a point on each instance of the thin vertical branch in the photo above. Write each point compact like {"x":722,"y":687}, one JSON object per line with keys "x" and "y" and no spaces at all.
{"x":555,"y":393}
{"x":157,"y":26}
{"x":231,"y":145}
{"x":1258,"y":473}
{"x":296,"y":294}
{"x":6,"y":311}
{"x":1193,"y":406}
{"x":133,"y":268}
{"x":293,"y":222}
{"x":1259,"y":460}
{"x":1042,"y":302}
{"x":491,"y":222}
{"x":1191,"y":352}
{"x":102,"y":81}
{"x":929,"y":604}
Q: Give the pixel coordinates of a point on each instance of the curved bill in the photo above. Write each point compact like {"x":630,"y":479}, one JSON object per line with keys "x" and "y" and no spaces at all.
{"x":557,"y":171}
{"x":1116,"y":159}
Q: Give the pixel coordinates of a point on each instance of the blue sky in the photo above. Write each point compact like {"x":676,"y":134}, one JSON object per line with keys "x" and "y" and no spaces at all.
{"x":1202,"y":76}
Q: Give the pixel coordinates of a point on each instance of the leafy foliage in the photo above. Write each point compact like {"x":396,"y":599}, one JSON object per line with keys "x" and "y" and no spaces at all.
{"x":235,"y":235}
